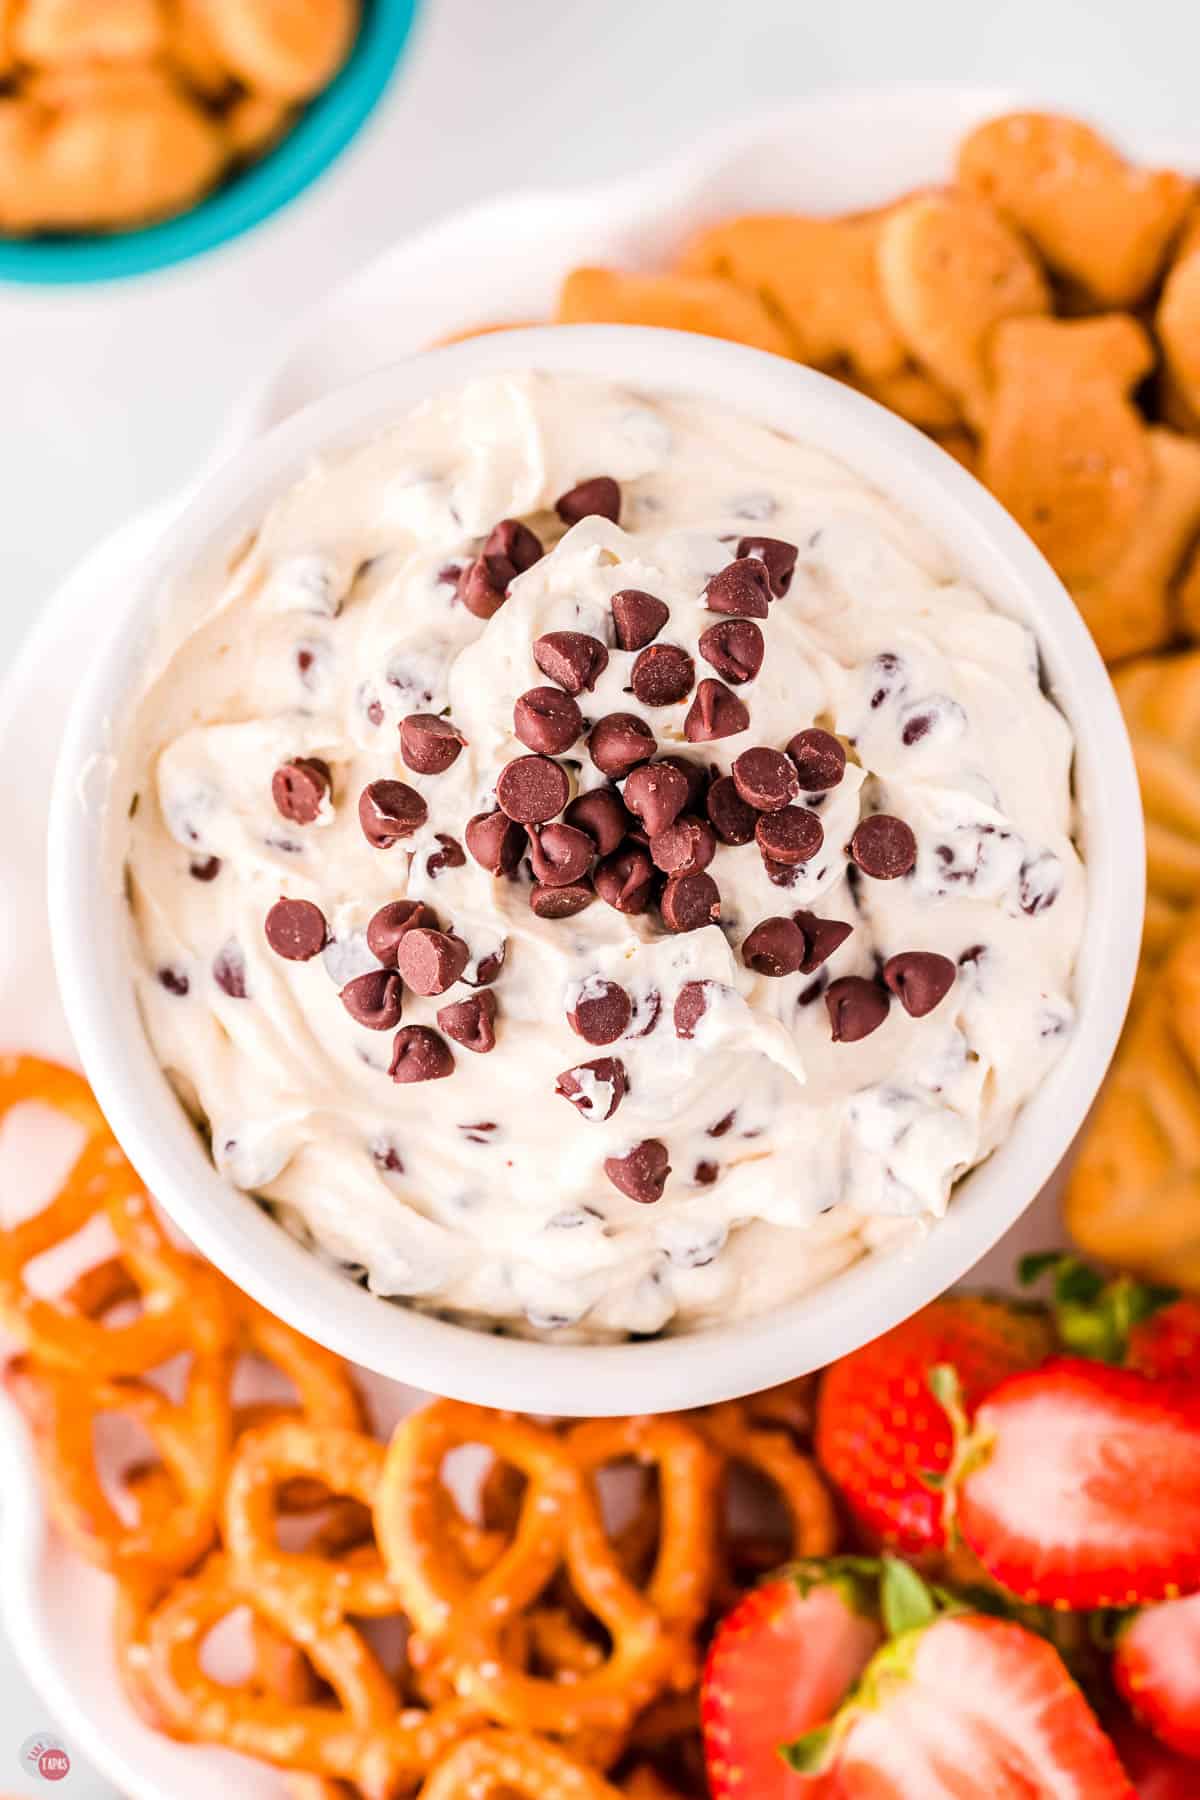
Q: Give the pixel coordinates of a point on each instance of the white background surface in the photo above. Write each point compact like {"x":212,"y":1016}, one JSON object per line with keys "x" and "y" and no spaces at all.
{"x":110,"y":395}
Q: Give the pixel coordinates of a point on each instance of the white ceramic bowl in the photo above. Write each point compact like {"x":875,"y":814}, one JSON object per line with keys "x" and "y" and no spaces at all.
{"x":90,"y":929}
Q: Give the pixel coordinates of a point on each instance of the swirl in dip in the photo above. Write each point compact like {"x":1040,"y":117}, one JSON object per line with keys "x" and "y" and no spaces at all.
{"x":597,"y":866}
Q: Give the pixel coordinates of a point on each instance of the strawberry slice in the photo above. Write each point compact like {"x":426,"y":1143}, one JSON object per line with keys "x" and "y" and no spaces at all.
{"x":967,"y":1708}
{"x":1157,"y":1667}
{"x":1156,"y":1772}
{"x":781,"y":1663}
{"x":1080,"y":1487}
{"x":881,"y":1433}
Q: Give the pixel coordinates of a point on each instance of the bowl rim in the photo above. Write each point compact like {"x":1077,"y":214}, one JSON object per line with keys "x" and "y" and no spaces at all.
{"x":324,"y":129}
{"x":721,"y":1361}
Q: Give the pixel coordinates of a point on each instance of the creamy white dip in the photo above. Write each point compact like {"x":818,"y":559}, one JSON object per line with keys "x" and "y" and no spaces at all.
{"x":484,"y":1193}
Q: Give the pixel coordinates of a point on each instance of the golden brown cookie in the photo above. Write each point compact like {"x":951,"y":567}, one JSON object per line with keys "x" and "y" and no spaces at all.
{"x":1064,"y":448}
{"x":1093,"y":217}
{"x":1177,"y":322}
{"x":912,"y":394}
{"x":951,"y":270}
{"x":1187,"y":597}
{"x":1134,"y":1193}
{"x":255,"y":122}
{"x":820,"y":276}
{"x":959,"y":444}
{"x":1129,"y":607}
{"x":46,"y":32}
{"x":193,"y":48}
{"x":107,"y":146}
{"x":1160,"y":697}
{"x":288,"y":48}
{"x":701,"y":303}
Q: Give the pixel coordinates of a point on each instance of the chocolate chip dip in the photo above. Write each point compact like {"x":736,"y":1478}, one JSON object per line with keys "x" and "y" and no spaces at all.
{"x":596,"y":866}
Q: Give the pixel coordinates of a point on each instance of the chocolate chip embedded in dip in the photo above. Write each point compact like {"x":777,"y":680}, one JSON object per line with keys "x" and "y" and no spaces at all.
{"x":728,"y":878}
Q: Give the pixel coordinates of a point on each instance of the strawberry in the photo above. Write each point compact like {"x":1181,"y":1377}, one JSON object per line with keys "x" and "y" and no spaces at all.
{"x":1156,"y":1772}
{"x":1156,"y":1666}
{"x":880,"y":1433}
{"x":966,"y":1708}
{"x":1079,"y":1487}
{"x":780,"y":1664}
{"x":1152,"y":1329}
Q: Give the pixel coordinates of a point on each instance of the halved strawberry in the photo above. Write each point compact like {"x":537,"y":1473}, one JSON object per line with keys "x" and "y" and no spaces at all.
{"x":1156,"y":1666}
{"x":1080,"y":1487}
{"x":967,"y":1708}
{"x":1156,"y":1772}
{"x":880,"y":1432}
{"x":1120,"y":1319}
{"x":780,"y":1664}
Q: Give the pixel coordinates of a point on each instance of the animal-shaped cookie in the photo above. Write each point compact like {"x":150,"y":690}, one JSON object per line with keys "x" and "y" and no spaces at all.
{"x":951,"y":270}
{"x":1064,"y":448}
{"x":288,"y":48}
{"x":1160,"y":697}
{"x":1130,"y":607}
{"x":704,"y":303}
{"x":1094,"y":218}
{"x":77,"y":31}
{"x":1177,"y":322}
{"x":820,"y":276}
{"x":1134,"y":1194}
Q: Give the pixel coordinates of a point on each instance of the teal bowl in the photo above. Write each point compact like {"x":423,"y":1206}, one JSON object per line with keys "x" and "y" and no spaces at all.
{"x":316,"y":140}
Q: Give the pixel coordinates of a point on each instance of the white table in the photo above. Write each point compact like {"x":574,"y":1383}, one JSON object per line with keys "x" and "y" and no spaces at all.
{"x":110,"y":395}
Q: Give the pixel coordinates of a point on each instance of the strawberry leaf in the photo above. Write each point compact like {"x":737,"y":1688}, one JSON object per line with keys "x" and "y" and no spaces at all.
{"x":905,"y":1601}
{"x":809,"y":1754}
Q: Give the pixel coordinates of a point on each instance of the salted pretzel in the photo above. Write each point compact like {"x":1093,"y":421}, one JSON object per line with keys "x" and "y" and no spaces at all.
{"x":505,"y":1765}
{"x":773,"y":1454}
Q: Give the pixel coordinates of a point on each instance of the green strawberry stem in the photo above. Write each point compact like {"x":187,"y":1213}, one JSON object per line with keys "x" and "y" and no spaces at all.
{"x":1094,"y":1317}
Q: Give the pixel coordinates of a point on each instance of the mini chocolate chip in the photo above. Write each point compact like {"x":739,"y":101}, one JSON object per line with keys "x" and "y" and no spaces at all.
{"x":374,"y":712}
{"x":571,"y":659}
{"x":821,"y":937}
{"x":547,"y":720}
{"x":602,"y":1012}
{"x":618,"y":742}
{"x":478,"y":592}
{"x":662,"y":675}
{"x":775,"y":947}
{"x":602,"y":814}
{"x":532,"y":789}
{"x":696,"y":776}
{"x":642,"y":1174}
{"x":560,"y":855}
{"x":722,"y":1125}
{"x":595,"y":1089}
{"x":856,"y":1008}
{"x":450,"y":855}
{"x":972,"y":954}
{"x":730,"y":817}
{"x":646,"y":1007}
{"x":919,"y":979}
{"x":716,"y":712}
{"x":495,"y":841}
{"x":204,"y":868}
{"x":691,"y":1004}
{"x":638,"y":617}
{"x":789,"y":837}
{"x":656,"y":794}
{"x":390,"y":924}
{"x":430,"y":961}
{"x":784,"y":875}
{"x":300,"y":787}
{"x":883,"y":846}
{"x":690,"y":901}
{"x":765,"y":779}
{"x":560,"y":902}
{"x":704,"y":1174}
{"x":387,"y":1157}
{"x":429,"y":744}
{"x":229,"y":971}
{"x":684,"y":847}
{"x":776,"y":556}
{"x":374,"y":999}
{"x":509,"y":549}
{"x":625,"y":879}
{"x":734,"y":647}
{"x":175,"y":982}
{"x":471,"y":1023}
{"x":296,"y":930}
{"x":742,"y":588}
{"x":819,"y":758}
{"x":419,"y":1054}
{"x":487,"y":968}
{"x":599,"y":494}
{"x":389,"y":811}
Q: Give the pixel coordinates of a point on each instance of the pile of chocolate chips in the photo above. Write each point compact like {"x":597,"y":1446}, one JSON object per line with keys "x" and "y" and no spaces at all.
{"x":639,"y":848}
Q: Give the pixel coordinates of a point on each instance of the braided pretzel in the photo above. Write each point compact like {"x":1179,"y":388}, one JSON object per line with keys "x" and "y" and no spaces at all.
{"x":505,"y":1765}
{"x":812,"y":1522}
{"x":183,"y":1306}
{"x":461,"y":1621}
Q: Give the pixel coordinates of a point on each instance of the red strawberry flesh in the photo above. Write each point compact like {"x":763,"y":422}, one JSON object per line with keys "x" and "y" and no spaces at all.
{"x":1157,"y":1668}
